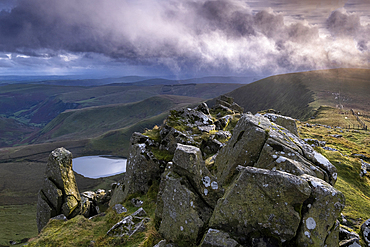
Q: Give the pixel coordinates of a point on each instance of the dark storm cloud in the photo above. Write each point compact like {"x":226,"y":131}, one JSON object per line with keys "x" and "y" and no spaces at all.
{"x":191,"y":36}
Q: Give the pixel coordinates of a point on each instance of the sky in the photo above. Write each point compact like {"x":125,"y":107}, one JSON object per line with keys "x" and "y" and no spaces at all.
{"x":182,"y":38}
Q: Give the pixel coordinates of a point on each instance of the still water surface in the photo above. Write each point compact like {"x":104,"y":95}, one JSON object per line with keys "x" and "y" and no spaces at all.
{"x":99,"y":166}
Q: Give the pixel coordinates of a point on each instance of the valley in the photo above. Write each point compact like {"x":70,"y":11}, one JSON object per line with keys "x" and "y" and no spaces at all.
{"x":100,"y":119}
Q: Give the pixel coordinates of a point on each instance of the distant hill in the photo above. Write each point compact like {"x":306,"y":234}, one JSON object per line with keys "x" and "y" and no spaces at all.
{"x":298,"y":94}
{"x":94,"y":121}
{"x":13,"y":131}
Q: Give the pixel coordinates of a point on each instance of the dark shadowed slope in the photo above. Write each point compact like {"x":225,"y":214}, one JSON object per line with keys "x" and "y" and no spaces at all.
{"x":297,"y":94}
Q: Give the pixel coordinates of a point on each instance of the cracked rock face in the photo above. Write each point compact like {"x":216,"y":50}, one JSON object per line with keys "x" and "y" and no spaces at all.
{"x":59,"y":194}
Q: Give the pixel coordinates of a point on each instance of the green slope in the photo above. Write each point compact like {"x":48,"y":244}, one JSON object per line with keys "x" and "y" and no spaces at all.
{"x":93,"y":121}
{"x":297,"y":94}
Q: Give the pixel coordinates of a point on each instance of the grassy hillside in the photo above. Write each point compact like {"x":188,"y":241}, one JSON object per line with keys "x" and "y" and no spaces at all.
{"x":94,"y":121}
{"x":352,"y":141}
{"x":298,"y":94}
{"x":13,"y":131}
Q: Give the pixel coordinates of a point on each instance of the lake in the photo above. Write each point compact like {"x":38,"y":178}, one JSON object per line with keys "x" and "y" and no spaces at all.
{"x":99,"y":166}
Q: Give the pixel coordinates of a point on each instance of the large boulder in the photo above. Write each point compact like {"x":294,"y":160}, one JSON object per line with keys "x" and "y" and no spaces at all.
{"x":284,"y":121}
{"x":261,"y":203}
{"x":319,"y":214}
{"x":141,"y":171}
{"x":59,"y":194}
{"x":254,"y":136}
{"x":188,"y":162}
{"x":242,"y":149}
{"x":182,"y":214}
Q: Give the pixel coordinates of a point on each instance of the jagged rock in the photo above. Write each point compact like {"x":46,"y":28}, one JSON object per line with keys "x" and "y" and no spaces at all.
{"x":139,"y":213}
{"x":210,"y":146}
{"x":365,"y":231}
{"x":60,"y":217}
{"x":138,"y":138}
{"x":315,"y":143}
{"x":286,"y":122}
{"x":128,"y":226}
{"x":207,"y":128}
{"x":353,"y":242}
{"x":222,"y":135}
{"x":136,"y":202}
{"x":161,"y":243}
{"x":365,"y":167}
{"x":319,"y":214}
{"x":86,"y":207}
{"x":345,"y":234}
{"x":181,"y":212}
{"x":117,"y":194}
{"x":275,"y":156}
{"x":119,"y":209}
{"x":249,"y":137}
{"x":260,"y":201}
{"x":228,"y":103}
{"x":171,"y":137}
{"x":203,"y":108}
{"x":217,"y":238}
{"x":188,"y":162}
{"x":59,"y":194}
{"x":222,"y":122}
{"x":242,"y":149}
{"x":141,"y":171}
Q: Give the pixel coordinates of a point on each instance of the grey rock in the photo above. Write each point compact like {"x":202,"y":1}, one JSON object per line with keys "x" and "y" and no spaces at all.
{"x":353,"y":242}
{"x":315,"y":143}
{"x":128,"y":226}
{"x":217,"y":238}
{"x":345,"y":234}
{"x":182,"y":214}
{"x":211,"y":146}
{"x":365,"y":232}
{"x":138,"y":138}
{"x":59,"y":194}
{"x":86,"y":208}
{"x":117,"y":194}
{"x":243,"y":148}
{"x":203,"y":108}
{"x":223,"y":122}
{"x":60,"y":217}
{"x":207,"y":128}
{"x":119,"y":209}
{"x":161,"y":243}
{"x":139,"y":213}
{"x":188,"y":162}
{"x":141,"y":171}
{"x":319,"y":214}
{"x":365,"y":167}
{"x":249,"y":138}
{"x":136,"y":202}
{"x":276,"y":156}
{"x":286,"y":122}
{"x":260,"y":200}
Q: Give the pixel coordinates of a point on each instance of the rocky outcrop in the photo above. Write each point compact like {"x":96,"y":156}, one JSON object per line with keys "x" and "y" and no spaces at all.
{"x":260,"y":186}
{"x":182,"y":213}
{"x":261,"y":202}
{"x":258,"y":142}
{"x":59,"y":194}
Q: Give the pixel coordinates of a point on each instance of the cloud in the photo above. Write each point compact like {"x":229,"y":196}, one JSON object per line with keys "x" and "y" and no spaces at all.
{"x":186,"y":37}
